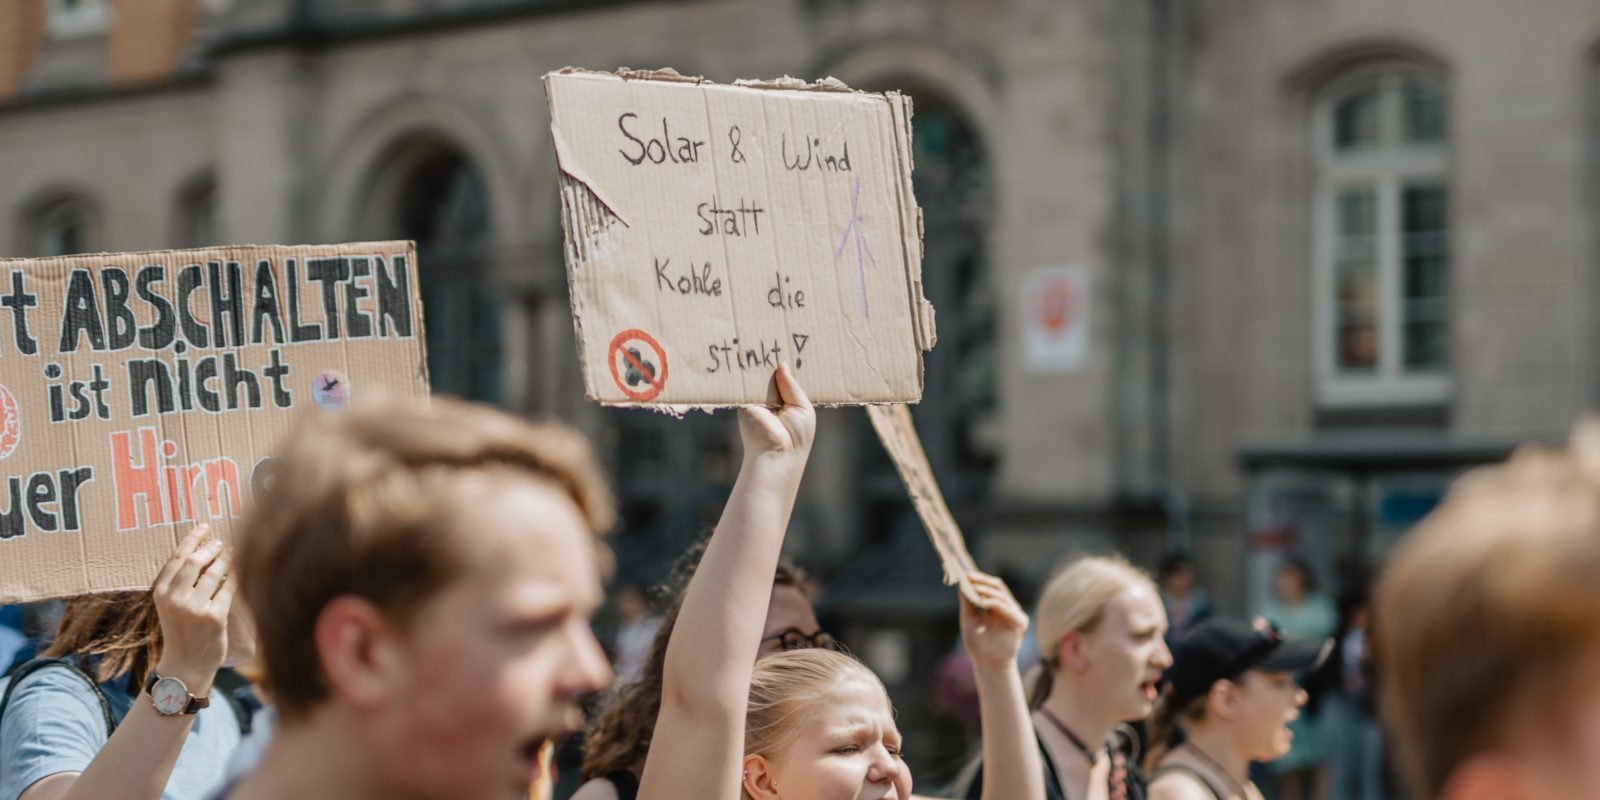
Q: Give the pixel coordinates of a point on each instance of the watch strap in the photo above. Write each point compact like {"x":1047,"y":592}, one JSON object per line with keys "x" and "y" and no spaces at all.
{"x":194,"y":705}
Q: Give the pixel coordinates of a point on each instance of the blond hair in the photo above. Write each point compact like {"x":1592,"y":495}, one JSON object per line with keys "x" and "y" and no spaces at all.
{"x":786,"y":692}
{"x":1485,"y":609}
{"x":366,"y":502}
{"x":1076,"y":600}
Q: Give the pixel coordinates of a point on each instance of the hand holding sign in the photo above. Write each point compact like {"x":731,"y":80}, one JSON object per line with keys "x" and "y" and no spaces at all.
{"x":194,"y":600}
{"x":782,"y":437}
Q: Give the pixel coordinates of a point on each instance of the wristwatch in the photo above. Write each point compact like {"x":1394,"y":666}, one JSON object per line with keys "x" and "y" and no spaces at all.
{"x":171,"y":697}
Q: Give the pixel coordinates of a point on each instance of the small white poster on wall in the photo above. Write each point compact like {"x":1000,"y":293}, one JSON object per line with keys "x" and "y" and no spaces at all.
{"x":1055,"y":327}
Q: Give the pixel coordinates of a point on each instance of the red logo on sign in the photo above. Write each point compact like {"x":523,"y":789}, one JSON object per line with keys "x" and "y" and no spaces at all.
{"x":638,"y":364}
{"x":1056,"y":305}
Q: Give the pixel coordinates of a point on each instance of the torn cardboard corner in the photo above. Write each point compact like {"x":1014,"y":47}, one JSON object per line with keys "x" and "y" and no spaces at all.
{"x":714,"y":232}
{"x":143,"y":393}
{"x":899,"y":436}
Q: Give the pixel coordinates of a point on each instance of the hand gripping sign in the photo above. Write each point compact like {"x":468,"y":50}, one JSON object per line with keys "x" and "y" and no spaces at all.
{"x":714,"y":231}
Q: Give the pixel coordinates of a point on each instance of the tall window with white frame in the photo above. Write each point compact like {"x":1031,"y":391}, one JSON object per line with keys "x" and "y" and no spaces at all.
{"x":1382,"y":254}
{"x":66,"y":19}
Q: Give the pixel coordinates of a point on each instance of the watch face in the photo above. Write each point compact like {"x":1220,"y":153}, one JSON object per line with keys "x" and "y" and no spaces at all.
{"x":170,"y":696}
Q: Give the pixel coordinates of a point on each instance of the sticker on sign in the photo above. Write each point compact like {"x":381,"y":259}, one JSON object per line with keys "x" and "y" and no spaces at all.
{"x":716,"y":231}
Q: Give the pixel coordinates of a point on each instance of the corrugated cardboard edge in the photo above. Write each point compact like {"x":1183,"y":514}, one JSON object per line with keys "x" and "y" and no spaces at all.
{"x":911,"y":224}
{"x":372,"y":246}
{"x":376,"y":245}
{"x":898,"y":434}
{"x":572,"y":176}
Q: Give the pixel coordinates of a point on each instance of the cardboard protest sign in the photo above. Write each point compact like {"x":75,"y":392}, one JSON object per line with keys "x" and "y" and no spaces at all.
{"x":714,"y":231}
{"x":142,"y":393}
{"x":899,"y":436}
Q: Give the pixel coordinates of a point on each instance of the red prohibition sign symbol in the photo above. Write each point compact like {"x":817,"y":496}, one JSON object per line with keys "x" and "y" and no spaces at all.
{"x":637,"y":375}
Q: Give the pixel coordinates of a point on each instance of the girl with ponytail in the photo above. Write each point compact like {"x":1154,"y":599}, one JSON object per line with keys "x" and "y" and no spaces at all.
{"x":1227,"y":701}
{"x":1101,"y":629}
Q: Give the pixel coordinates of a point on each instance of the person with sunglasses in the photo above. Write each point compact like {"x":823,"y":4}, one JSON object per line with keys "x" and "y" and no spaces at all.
{"x":810,"y":723}
{"x":1226,"y":701}
{"x":793,"y":639}
{"x":618,"y":740}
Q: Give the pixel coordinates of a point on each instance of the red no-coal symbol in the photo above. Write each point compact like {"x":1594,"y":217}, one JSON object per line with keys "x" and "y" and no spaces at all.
{"x":638,"y":365}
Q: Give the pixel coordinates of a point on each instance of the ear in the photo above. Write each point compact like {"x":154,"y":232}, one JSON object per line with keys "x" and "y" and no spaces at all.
{"x":1223,"y":700}
{"x":1072,"y":651}
{"x":359,"y":653}
{"x":1487,"y":776}
{"x":758,"y":780}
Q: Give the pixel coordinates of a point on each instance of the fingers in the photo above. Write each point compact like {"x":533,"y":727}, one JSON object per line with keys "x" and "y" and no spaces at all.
{"x":169,"y":570}
{"x":789,"y":388}
{"x":193,"y":565}
{"x":759,"y":417}
{"x":223,"y":599}
{"x":997,"y":600}
{"x":213,"y":577}
{"x":971,"y":601}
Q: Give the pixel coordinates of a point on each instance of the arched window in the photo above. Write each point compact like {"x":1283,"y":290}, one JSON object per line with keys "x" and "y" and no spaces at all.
{"x":443,"y":204}
{"x":195,"y":214}
{"x":956,"y":418}
{"x":1382,"y":235}
{"x":63,"y":225}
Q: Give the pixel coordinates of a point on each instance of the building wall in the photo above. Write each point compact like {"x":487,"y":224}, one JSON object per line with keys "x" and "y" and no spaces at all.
{"x":1516,"y":78}
{"x":129,"y":157}
{"x":1162,"y":145}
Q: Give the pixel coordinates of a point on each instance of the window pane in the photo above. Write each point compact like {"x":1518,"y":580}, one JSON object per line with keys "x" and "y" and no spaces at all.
{"x":1355,"y":121}
{"x":1426,"y":121}
{"x":62,"y":229}
{"x":444,"y":207}
{"x":1425,"y":276}
{"x":1356,"y":279}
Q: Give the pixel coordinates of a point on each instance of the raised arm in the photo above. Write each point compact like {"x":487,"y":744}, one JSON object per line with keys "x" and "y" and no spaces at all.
{"x":699,"y":736}
{"x":193,"y":600}
{"x":992,"y":636}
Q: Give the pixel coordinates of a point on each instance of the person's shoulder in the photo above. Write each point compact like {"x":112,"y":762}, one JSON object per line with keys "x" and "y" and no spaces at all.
{"x":51,"y":683}
{"x":1177,"y":784}
{"x":596,"y":789}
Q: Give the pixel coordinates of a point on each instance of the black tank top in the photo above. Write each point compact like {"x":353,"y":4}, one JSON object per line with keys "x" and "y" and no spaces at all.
{"x":626,"y":784}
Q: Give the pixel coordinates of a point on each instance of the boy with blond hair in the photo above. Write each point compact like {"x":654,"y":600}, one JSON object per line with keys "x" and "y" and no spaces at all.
{"x":1488,"y":633}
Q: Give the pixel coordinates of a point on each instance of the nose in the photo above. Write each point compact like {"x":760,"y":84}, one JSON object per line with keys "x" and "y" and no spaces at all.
{"x":1163,"y":657}
{"x":1300,"y":697}
{"x":886,"y":767}
{"x":591,"y":671}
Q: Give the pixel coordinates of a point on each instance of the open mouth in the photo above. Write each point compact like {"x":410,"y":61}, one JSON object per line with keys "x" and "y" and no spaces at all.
{"x":1150,"y":689}
{"x":537,"y":754}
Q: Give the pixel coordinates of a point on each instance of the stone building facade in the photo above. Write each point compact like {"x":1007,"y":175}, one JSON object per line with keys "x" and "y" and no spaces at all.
{"x":1336,"y":250}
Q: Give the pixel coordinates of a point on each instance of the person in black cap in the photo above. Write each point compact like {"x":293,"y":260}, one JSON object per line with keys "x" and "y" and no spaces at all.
{"x":1226,"y":701}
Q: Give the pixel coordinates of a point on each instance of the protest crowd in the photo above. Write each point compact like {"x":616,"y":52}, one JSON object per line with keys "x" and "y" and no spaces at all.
{"x":413,"y":605}
{"x":248,"y":554}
